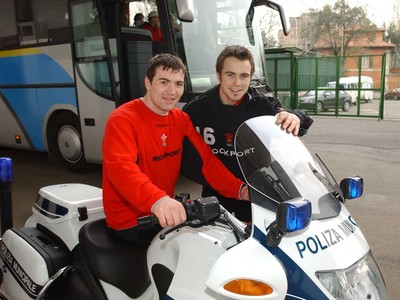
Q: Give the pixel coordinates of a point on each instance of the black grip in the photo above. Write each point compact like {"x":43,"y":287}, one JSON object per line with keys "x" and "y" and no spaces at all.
{"x":148,"y":221}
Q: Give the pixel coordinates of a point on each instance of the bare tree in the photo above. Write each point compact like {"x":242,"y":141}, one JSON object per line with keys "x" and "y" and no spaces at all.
{"x":269,"y":24}
{"x":393,"y":33}
{"x":393,"y":36}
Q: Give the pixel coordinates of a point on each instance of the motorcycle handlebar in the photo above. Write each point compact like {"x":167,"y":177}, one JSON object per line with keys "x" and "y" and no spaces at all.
{"x":148,"y":221}
{"x":202,"y":211}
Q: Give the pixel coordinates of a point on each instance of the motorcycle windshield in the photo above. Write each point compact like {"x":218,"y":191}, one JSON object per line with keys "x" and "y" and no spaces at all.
{"x":279,"y":167}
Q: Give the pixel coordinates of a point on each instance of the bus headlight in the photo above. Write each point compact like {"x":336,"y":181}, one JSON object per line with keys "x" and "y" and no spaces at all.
{"x":363,"y":280}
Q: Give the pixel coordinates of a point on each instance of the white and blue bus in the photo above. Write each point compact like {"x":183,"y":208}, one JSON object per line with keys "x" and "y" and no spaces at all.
{"x":66,"y":64}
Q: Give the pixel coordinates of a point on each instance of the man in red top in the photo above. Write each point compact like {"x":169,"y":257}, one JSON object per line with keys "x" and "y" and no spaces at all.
{"x":142,"y":151}
{"x":153,"y":25}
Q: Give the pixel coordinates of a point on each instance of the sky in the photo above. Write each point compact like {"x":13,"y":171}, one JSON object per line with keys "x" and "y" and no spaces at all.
{"x":378,"y":11}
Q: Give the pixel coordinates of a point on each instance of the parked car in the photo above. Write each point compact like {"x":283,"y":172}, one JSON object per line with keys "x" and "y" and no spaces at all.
{"x":393,"y":94}
{"x":326,"y":99}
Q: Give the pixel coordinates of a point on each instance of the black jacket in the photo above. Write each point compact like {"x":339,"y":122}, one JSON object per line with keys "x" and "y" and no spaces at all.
{"x":218,"y":123}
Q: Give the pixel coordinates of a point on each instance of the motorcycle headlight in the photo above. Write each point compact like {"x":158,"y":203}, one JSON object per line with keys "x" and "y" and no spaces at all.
{"x":363,"y":280}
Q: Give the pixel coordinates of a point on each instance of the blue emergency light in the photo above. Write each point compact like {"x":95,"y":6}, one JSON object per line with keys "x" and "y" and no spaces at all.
{"x":5,"y":169}
{"x":352,"y":187}
{"x":5,"y":194}
{"x":293,"y":215}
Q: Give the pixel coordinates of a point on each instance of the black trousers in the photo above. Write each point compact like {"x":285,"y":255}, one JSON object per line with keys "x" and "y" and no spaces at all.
{"x":138,"y":235}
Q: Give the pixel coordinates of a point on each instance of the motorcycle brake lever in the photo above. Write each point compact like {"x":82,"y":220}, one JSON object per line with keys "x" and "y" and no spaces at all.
{"x":162,"y":235}
{"x":193,"y":223}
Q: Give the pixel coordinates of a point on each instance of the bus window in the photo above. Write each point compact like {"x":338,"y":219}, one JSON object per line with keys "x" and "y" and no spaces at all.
{"x":50,"y":19}
{"x":176,"y":28}
{"x":8,"y":25}
{"x":218,"y":24}
{"x":24,"y":23}
{"x":89,"y":48}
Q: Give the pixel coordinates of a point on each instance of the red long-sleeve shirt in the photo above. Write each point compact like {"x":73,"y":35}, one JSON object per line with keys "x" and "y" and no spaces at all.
{"x":141,"y":161}
{"x":155,"y":32}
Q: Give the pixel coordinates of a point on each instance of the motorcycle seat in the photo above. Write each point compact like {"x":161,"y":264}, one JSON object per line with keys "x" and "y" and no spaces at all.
{"x":118,"y":262}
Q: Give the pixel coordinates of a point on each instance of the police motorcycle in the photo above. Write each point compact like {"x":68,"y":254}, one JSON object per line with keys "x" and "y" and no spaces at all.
{"x":302,"y":242}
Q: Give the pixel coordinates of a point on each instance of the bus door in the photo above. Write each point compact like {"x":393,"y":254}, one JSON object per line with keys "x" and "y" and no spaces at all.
{"x":131,"y":50}
{"x":94,"y":74}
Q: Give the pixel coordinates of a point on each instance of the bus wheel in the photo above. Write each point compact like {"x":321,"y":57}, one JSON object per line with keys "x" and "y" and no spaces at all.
{"x":66,"y":141}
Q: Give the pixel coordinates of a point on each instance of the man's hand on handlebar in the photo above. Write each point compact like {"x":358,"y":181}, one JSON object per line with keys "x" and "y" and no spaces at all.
{"x":169,"y":212}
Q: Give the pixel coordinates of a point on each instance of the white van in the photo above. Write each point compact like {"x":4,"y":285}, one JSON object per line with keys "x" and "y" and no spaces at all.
{"x":350,"y":85}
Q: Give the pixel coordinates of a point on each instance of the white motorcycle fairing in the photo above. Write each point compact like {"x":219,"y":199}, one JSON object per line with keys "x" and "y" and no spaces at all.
{"x":290,"y":261}
{"x":332,"y":241}
{"x":191,"y":254}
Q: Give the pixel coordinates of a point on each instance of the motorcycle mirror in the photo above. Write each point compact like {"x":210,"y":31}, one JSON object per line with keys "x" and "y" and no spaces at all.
{"x":293,"y":215}
{"x":352,"y":187}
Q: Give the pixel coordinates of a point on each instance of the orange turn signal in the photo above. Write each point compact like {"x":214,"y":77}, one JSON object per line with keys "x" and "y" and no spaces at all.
{"x":248,"y":287}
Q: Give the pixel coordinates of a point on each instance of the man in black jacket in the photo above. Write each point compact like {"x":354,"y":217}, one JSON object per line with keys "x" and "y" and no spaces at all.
{"x":219,"y":112}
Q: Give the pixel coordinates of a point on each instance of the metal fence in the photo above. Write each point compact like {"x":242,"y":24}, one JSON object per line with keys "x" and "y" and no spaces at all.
{"x":326,"y":85}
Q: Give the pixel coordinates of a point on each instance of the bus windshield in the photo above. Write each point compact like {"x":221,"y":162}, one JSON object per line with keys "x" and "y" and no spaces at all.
{"x":217,"y":24}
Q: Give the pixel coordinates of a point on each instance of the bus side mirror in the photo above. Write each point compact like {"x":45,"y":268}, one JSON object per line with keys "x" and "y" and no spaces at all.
{"x":278,"y":6}
{"x":185,"y":9}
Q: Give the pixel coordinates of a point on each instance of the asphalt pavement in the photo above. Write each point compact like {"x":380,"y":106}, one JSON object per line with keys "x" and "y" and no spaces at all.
{"x":349,"y":146}
{"x":369,"y":148}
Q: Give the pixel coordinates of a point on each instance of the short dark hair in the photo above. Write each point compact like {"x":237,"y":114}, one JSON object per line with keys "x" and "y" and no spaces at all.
{"x":138,"y":16}
{"x":237,"y":51}
{"x":167,"y":61}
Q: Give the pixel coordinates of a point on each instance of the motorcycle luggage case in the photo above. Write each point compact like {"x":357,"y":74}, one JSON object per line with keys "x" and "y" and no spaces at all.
{"x":64,"y":208}
{"x":29,"y":259}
